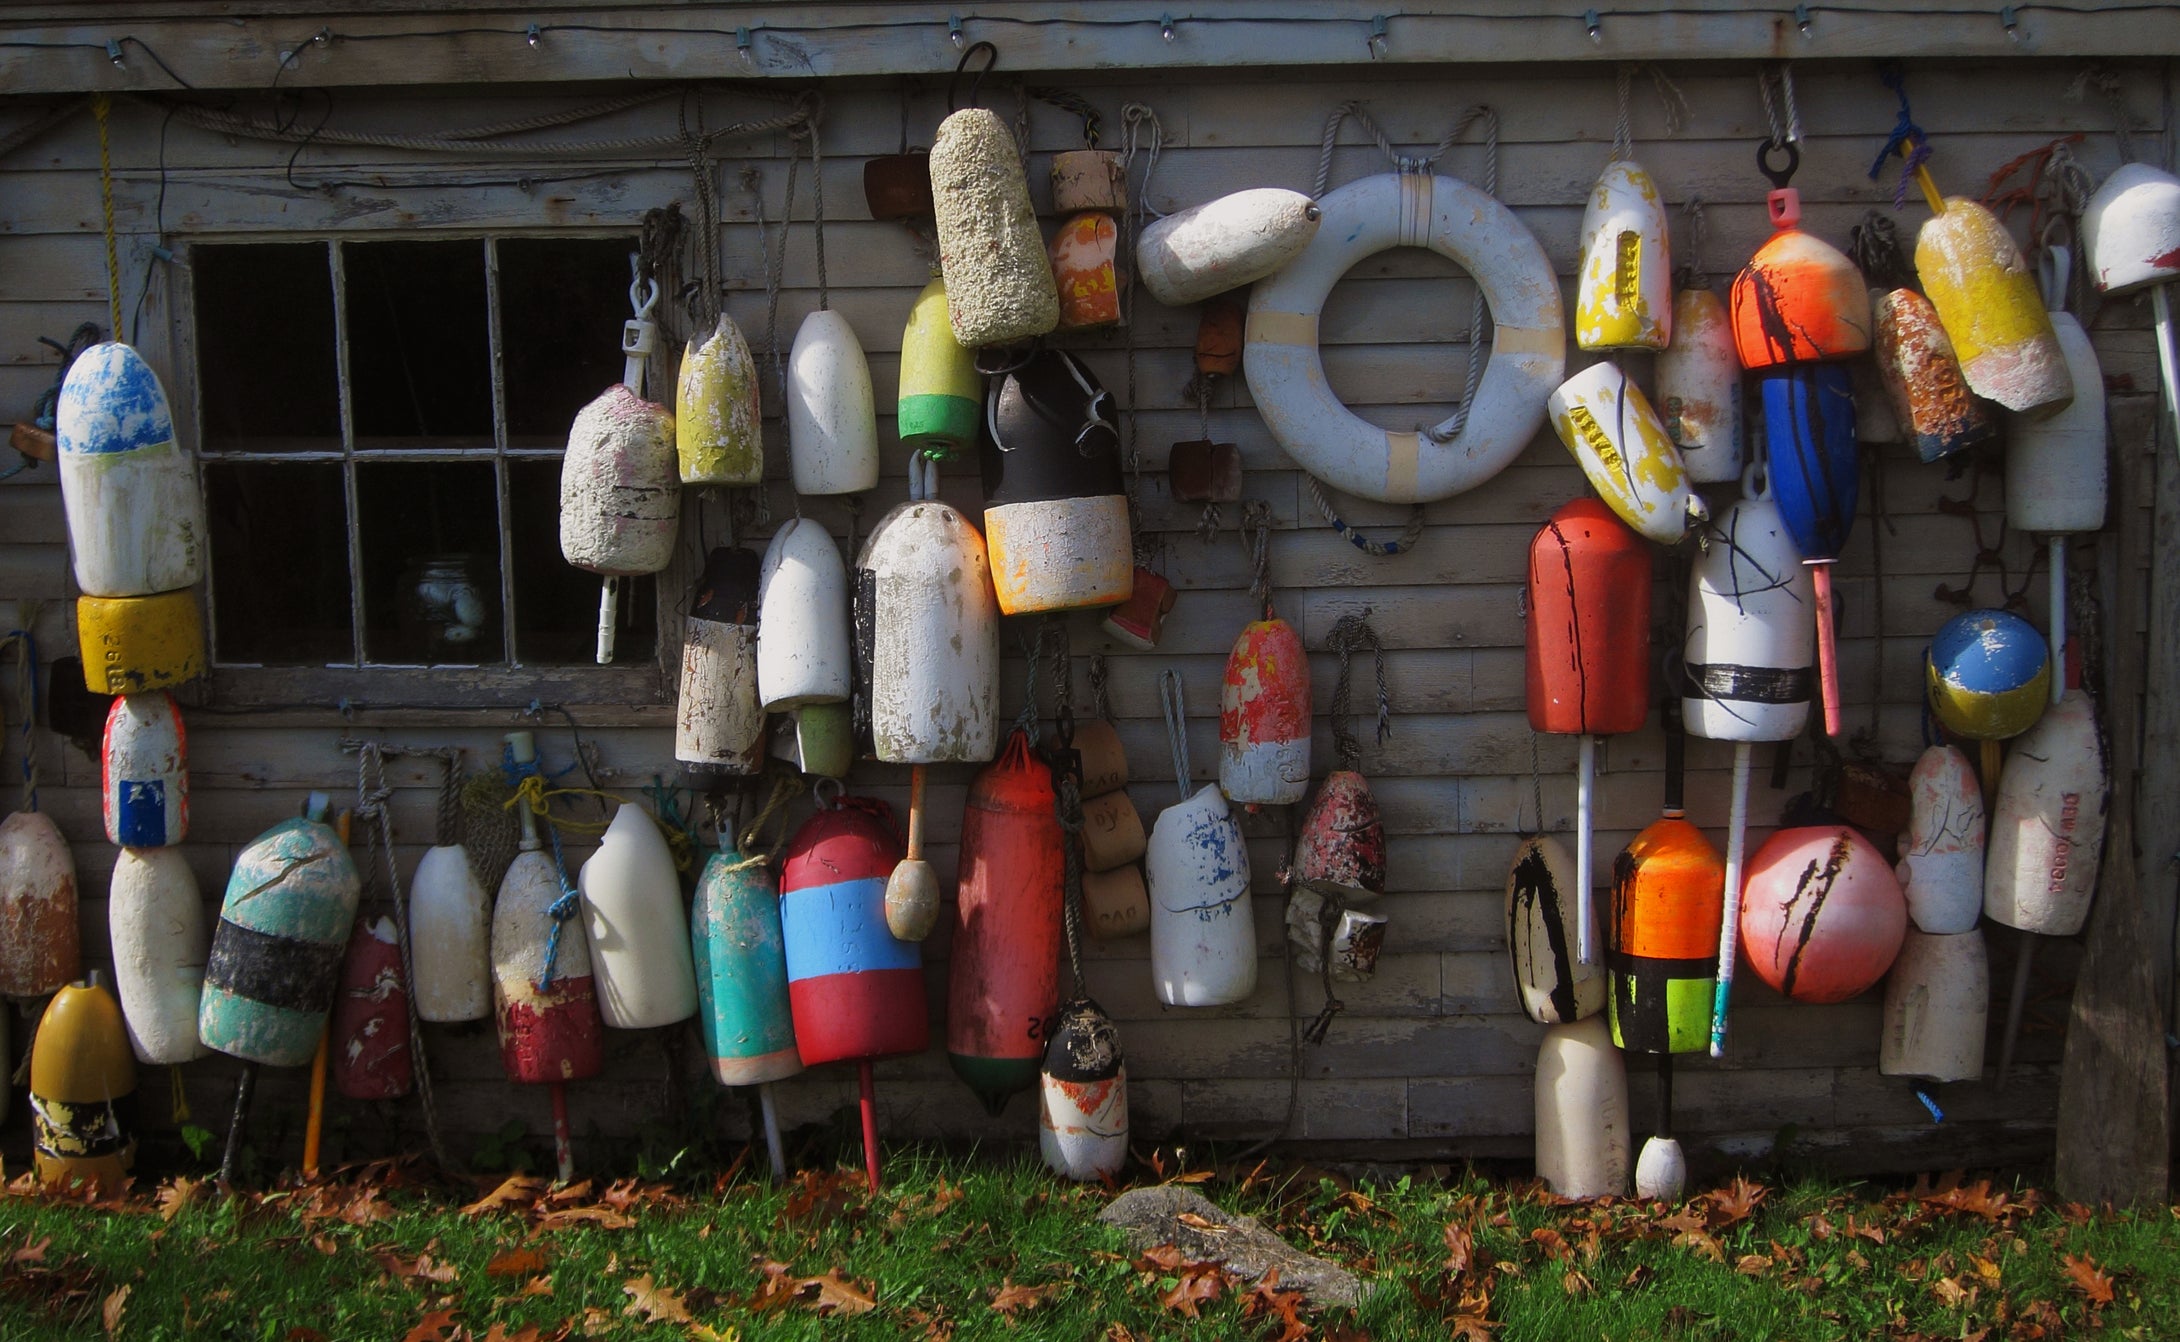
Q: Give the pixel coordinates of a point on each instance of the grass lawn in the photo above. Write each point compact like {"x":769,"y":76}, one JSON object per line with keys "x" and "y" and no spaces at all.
{"x":960,"y":1246}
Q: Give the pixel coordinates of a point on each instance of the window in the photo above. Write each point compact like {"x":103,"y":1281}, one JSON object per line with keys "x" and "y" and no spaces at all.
{"x":381,"y":425}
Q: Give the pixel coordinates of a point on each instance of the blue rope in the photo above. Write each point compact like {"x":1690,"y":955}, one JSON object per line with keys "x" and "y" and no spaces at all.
{"x":570,"y":903}
{"x":1904,"y":129}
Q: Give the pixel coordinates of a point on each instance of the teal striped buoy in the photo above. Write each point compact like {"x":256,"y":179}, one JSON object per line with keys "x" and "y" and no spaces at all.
{"x":741,"y":971}
{"x":276,"y":956}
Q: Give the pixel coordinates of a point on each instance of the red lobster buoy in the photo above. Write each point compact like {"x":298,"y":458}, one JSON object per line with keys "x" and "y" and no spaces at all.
{"x":1003,"y":980}
{"x":1264,"y":717}
{"x":371,"y":1056}
{"x":1343,"y":838}
{"x":1823,"y":917}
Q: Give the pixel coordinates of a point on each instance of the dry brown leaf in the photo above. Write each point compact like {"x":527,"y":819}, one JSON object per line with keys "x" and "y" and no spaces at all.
{"x":173,"y":1197}
{"x":1950,"y":1292}
{"x":1986,"y":1269}
{"x":1732,"y":1205}
{"x":1010,"y":1299}
{"x":1460,"y":1248}
{"x":605,"y":1218}
{"x":1682,"y":1222}
{"x":537,"y":1286}
{"x":437,"y":1326}
{"x":109,"y":1312}
{"x":1700,"y":1243}
{"x":653,"y":1301}
{"x":2091,"y":1280}
{"x":1752,"y":1265}
{"x":1195,"y":1222}
{"x":522,"y":1262}
{"x":1199,"y":1284}
{"x":1159,"y":1259}
{"x":1118,"y":1332}
{"x":1574,"y":1283}
{"x":1551,"y":1242}
{"x":1466,"y":1328}
{"x":420,"y":1268}
{"x":839,"y":1295}
{"x":31,"y":1253}
{"x":519,"y":1190}
{"x":498,"y":1333}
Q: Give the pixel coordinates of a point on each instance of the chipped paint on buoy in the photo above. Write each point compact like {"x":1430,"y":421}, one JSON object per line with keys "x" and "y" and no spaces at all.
{"x":1264,"y":717}
{"x":620,"y":486}
{"x":2131,"y":229}
{"x":741,"y":970}
{"x":718,"y":438}
{"x":82,"y":1092}
{"x":927,"y":634}
{"x":135,"y":517}
{"x":371,"y":1055}
{"x":1988,"y":674}
{"x":1923,"y":380}
{"x":1342,"y":843}
{"x":1937,"y":1005}
{"x":548,"y":1031}
{"x":1553,"y":985}
{"x":1224,"y":244}
{"x":718,"y":722}
{"x":1608,"y":425}
{"x":40,"y":951}
{"x":131,"y":644}
{"x":1357,"y":937}
{"x":144,"y":772}
{"x":1085,"y":256}
{"x":1624,"y":280}
{"x":1941,"y":854}
{"x":1082,"y":1110}
{"x":1203,"y":920}
{"x":1699,"y":388}
{"x":450,"y":920}
{"x":2047,"y":824}
{"x":1986,"y":296}
{"x":276,"y":954}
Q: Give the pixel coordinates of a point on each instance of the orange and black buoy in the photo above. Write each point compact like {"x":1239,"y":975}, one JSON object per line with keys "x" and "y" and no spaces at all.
{"x":1668,"y":891}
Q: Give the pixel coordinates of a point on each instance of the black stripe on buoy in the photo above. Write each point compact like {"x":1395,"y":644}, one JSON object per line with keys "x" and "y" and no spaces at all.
{"x":285,"y":972}
{"x":1753,"y":684}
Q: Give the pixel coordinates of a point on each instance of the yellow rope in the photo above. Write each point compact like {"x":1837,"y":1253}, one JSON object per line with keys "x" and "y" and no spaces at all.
{"x":179,"y":1099}
{"x":785,"y":788}
{"x":532,"y":789}
{"x":100,"y":106}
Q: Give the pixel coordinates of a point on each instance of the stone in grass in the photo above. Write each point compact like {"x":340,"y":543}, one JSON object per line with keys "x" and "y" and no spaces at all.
{"x":1189,"y":1221}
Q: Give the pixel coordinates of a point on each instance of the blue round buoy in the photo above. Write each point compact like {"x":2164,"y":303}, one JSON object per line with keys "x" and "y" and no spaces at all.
{"x":1989,"y":675}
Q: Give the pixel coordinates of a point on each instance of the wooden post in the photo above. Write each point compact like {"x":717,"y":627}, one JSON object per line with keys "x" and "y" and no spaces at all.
{"x":2115,"y":1092}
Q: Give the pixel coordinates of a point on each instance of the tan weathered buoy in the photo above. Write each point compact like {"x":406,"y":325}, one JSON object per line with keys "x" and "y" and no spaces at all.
{"x":1088,"y":179}
{"x":999,"y":285}
{"x":40,"y":950}
{"x":1224,"y":244}
{"x":1937,"y":1006}
{"x":2047,"y":825}
{"x":718,"y":722}
{"x":1699,"y":388}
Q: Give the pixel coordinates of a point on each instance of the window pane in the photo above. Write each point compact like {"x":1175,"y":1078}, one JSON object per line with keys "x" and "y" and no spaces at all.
{"x":431,"y":562}
{"x":562,"y":303}
{"x":266,"y":377}
{"x":419,"y":358}
{"x":556,"y":604}
{"x":279,"y":563}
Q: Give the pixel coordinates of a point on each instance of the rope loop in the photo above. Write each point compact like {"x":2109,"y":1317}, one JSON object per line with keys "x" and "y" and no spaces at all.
{"x":1351,"y":633}
{"x":1906,"y":139}
{"x":1174,"y":707}
{"x":1409,"y":535}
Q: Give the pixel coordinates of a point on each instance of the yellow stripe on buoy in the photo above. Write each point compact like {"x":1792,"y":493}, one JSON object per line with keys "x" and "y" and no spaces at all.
{"x":136,"y":643}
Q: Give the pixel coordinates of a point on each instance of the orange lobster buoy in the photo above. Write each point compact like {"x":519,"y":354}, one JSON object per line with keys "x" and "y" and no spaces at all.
{"x":1003,"y":980}
{"x":1264,"y":717}
{"x":1085,"y":267}
{"x":1823,"y":917}
{"x":1799,"y":299}
{"x":1668,"y":891}
{"x":371,"y":1055}
{"x":1922,"y":377}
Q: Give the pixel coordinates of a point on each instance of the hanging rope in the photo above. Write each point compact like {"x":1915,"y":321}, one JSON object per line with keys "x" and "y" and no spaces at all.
{"x":1776,"y":87}
{"x":1409,"y":534}
{"x":1175,"y":710}
{"x":528,"y":783}
{"x":1670,"y":98}
{"x":1692,"y":275}
{"x":101,"y":107}
{"x":2056,"y":191}
{"x":756,"y":850}
{"x":1101,"y":706}
{"x":1350,"y":634}
{"x":809,"y":130}
{"x":1140,"y":130}
{"x":26,"y":704}
{"x":1907,"y":139}
{"x":1256,"y":539}
{"x":2114,"y":93}
{"x":704,"y":303}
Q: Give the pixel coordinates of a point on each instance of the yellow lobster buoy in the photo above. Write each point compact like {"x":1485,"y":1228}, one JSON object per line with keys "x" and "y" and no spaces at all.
{"x":1987,"y":299}
{"x":1624,"y":287}
{"x":716,"y":433}
{"x":82,"y":1090}
{"x":1607,"y":423}
{"x":942,"y":393}
{"x":130,"y":644}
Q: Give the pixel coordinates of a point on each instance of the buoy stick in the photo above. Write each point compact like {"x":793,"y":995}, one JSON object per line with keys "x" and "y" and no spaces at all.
{"x":244,"y":1084}
{"x":609,"y":614}
{"x":1929,"y":184}
{"x":1585,"y":781}
{"x":869,"y":1100}
{"x":772,"y":1132}
{"x":2016,"y":1005}
{"x":563,"y":1144}
{"x":1665,"y":1095}
{"x":1827,"y":644}
{"x":2168,"y":353}
{"x":912,"y":890}
{"x":314,"y":1125}
{"x":1729,"y":926}
{"x":2058,"y":617}
{"x":1992,"y":754}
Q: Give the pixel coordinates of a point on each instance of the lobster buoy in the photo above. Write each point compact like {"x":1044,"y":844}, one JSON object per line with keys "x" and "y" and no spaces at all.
{"x":741,"y":970}
{"x":1988,"y":675}
{"x":128,"y":487}
{"x":942,"y":393}
{"x":40,"y":946}
{"x":1624,"y":281}
{"x":1003,"y":976}
{"x":632,"y":913}
{"x":1668,"y":890}
{"x":2131,"y":229}
{"x":804,"y":655}
{"x":1816,"y":461}
{"x":1082,"y":1110}
{"x":2047,"y":824}
{"x":1089,"y":179}
{"x":1264,"y":717}
{"x":1937,"y":1005}
{"x":1588,"y":643}
{"x":1117,"y":903}
{"x":1821,"y":913}
{"x":1699,"y":388}
{"x":927,"y":633}
{"x":1799,"y":299}
{"x":276,"y":954}
{"x":832,"y":425}
{"x":1583,"y":1137}
{"x":1621,"y":445}
{"x":1554,"y":985}
{"x":1342,"y":844}
{"x":1322,"y":927}
{"x":450,"y":924}
{"x":1922,"y":377}
{"x":371,"y":1055}
{"x":1055,"y":510}
{"x":1750,"y":653}
{"x":2056,"y":466}
{"x":131,"y":644}
{"x":998,"y":281}
{"x":1085,"y":256}
{"x":818,"y":739}
{"x":1220,"y":338}
{"x":1104,"y":758}
{"x":620,"y":486}
{"x":1986,"y":296}
{"x":1203,"y":920}
{"x":719,"y":724}
{"x":155,"y":917}
{"x":718,"y":438}
{"x":856,"y":990}
{"x":1941,"y":854}
{"x":83,"y":1091}
{"x":144,"y":772}
{"x":545,"y":996}
{"x":1224,"y":244}
{"x":1112,"y":832}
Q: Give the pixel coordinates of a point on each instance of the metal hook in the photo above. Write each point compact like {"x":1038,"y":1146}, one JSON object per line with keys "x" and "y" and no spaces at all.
{"x":643,"y":294}
{"x":1779,"y":178}
{"x":953,"y":85}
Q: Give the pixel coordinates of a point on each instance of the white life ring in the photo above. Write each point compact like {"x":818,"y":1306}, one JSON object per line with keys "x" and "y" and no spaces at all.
{"x":1528,"y":350}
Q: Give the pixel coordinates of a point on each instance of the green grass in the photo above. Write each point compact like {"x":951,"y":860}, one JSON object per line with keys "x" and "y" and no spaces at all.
{"x":1811,"y":1260}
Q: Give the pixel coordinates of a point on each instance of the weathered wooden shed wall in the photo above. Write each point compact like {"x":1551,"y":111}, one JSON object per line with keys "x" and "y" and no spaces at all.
{"x":1433,"y":1056}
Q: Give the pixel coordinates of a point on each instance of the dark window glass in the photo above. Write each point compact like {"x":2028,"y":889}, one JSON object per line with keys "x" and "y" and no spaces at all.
{"x":419,"y":353}
{"x":266,"y":378}
{"x":559,"y":602}
{"x":562,"y":303}
{"x":279,"y":563}
{"x":431,"y":562}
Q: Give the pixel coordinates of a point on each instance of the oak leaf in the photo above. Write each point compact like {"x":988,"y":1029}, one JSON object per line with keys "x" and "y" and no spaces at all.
{"x":1460,"y":1248}
{"x":2091,"y":1280}
{"x":653,"y":1301}
{"x":522,"y":1262}
{"x":836,"y":1294}
{"x":1010,"y":1299}
{"x":172,"y":1197}
{"x":514,"y":1191}
{"x":1199,"y":1284}
{"x":1732,"y":1205}
{"x":437,"y":1326}
{"x":109,"y":1311}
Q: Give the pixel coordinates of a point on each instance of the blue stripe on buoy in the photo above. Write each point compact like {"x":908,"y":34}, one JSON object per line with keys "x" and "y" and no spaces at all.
{"x":111,"y":401}
{"x":140,"y":813}
{"x":841,"y":929}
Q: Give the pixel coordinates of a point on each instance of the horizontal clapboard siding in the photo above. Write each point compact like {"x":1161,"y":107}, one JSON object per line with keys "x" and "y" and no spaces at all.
{"x":1432,"y":1058}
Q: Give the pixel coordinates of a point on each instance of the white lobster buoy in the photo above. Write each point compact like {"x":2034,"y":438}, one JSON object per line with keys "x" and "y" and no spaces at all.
{"x":1699,"y":388}
{"x":832,"y":425}
{"x":135,"y":518}
{"x":719,"y":725}
{"x":1661,"y":1171}
{"x":2047,"y":826}
{"x":1937,"y":1003}
{"x":999,"y":286}
{"x":2056,"y":466}
{"x":1607,"y":423}
{"x":1223,"y":244}
{"x":144,"y":772}
{"x":155,"y":915}
{"x":1941,"y":855}
{"x":716,"y":416}
{"x":932,"y":665}
{"x":1582,"y":1120}
{"x":1624,"y":282}
{"x":803,"y":653}
{"x":2131,"y":229}
{"x":1082,"y":1108}
{"x":620,"y":486}
{"x":450,"y":937}
{"x":1752,"y":627}
{"x":1542,"y":934}
{"x":1203,"y":920}
{"x":638,"y":930}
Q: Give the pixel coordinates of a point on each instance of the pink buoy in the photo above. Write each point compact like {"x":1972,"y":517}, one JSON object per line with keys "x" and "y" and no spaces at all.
{"x":1822,"y":916}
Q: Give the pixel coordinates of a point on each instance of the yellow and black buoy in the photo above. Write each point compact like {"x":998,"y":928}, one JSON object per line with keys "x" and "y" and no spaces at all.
{"x":83,"y":1090}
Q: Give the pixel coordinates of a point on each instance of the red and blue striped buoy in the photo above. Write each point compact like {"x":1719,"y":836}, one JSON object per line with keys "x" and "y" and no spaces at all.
{"x":144,"y":772}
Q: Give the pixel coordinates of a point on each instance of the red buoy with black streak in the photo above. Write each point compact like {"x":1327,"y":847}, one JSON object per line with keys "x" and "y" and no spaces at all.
{"x":371,"y":1055}
{"x":1822,"y":918}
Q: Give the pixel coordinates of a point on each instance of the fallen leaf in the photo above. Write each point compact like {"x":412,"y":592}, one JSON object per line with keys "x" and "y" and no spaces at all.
{"x":1195,"y":1222}
{"x":1552,"y":1242}
{"x":420,"y":1268}
{"x":1701,"y":1243}
{"x":1752,"y":1265}
{"x":1986,"y":1269}
{"x":31,"y":1253}
{"x":1198,"y":1177}
{"x":1460,"y":1248}
{"x":109,"y":1313}
{"x":1283,"y":1308}
{"x":515,"y":1263}
{"x":1682,"y":1222}
{"x":2091,"y":1280}
{"x":537,"y":1286}
{"x":325,"y":1244}
{"x":654,"y":1302}
{"x":1466,"y":1328}
{"x":1160,"y":1259}
{"x":518,"y":1190}
{"x":1010,"y":1299}
{"x":1574,"y":1283}
{"x":839,"y":1295}
{"x":1118,"y":1332}
{"x":1732,"y":1205}
{"x":301,"y":1334}
{"x":498,"y":1333}
{"x":436,"y":1326}
{"x":605,"y":1218}
{"x":173,"y":1197}
{"x":1199,"y":1284}
{"x":1950,"y":1293}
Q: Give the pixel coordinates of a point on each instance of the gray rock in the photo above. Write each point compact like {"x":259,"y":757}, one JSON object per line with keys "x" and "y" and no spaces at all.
{"x":1154,"y":1216}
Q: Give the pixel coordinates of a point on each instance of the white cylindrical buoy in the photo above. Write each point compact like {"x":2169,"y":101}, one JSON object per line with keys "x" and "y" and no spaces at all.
{"x":450,"y":937}
{"x":129,"y":489}
{"x":1624,"y":281}
{"x":1203,"y":920}
{"x":1224,"y":244}
{"x":1941,"y":855}
{"x":155,"y":915}
{"x":2047,"y":825}
{"x":999,"y":286}
{"x":832,"y":425}
{"x":718,"y":723}
{"x":803,"y":652}
{"x":1751,"y":648}
{"x":1554,"y":984}
{"x":41,"y":951}
{"x":924,"y":595}
{"x":638,"y":931}
{"x":620,"y":486}
{"x":1699,"y":388}
{"x":144,"y":772}
{"x":1937,"y":1003}
{"x":1582,"y":1119}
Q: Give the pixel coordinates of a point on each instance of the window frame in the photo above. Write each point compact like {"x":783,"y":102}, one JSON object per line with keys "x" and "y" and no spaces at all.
{"x":630,"y":683}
